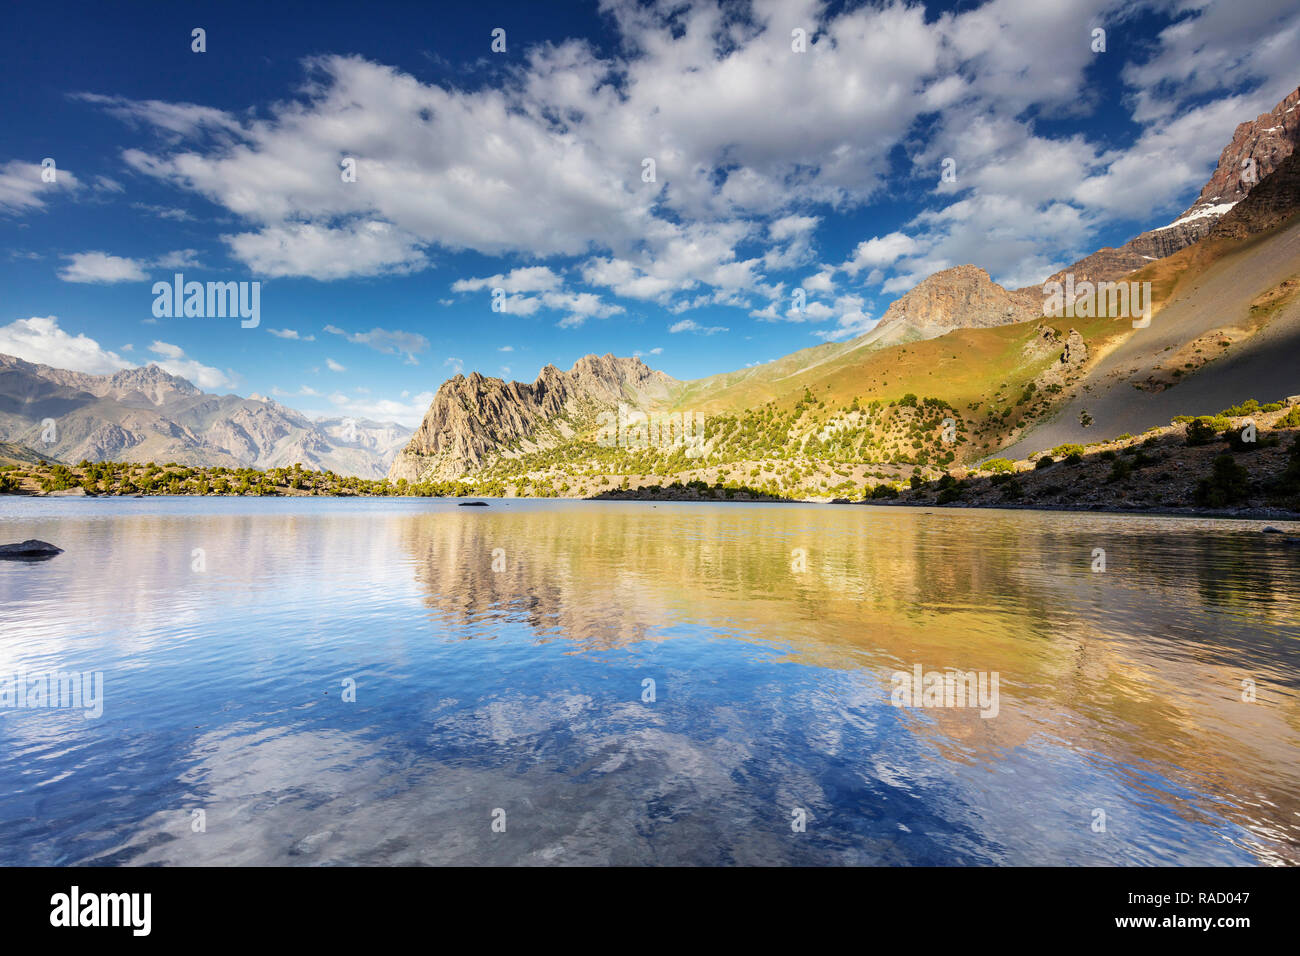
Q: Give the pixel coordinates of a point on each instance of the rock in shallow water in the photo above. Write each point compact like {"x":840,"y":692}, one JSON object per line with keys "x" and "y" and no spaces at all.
{"x":31,"y":548}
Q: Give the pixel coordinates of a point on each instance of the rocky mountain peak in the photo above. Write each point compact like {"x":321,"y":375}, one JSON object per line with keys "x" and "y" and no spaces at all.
{"x":1267,"y":140}
{"x":151,"y":381}
{"x":471,"y":418}
{"x":1257,"y":149}
{"x":961,"y":297}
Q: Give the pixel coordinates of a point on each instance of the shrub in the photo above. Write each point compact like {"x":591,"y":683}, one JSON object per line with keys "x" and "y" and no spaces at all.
{"x":1237,"y":439}
{"x":998,"y":465}
{"x":1065,"y":451}
{"x":1047,"y":461}
{"x":1228,"y":483}
{"x":884,"y":491}
{"x":948,"y":495}
{"x":1200,"y":431}
{"x":1249,"y":407}
{"x":1287,"y":485}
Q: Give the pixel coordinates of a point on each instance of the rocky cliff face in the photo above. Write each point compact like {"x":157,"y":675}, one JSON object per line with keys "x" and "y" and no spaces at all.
{"x":963,"y":297}
{"x":1273,"y":201}
{"x":473,"y":417}
{"x":147,"y":414}
{"x":1258,"y":147}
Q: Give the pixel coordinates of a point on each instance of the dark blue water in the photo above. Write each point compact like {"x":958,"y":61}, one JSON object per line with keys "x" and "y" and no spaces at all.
{"x":499,"y":658}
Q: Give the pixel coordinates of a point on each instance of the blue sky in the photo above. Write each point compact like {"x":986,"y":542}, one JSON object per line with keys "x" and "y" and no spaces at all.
{"x":775,"y":170}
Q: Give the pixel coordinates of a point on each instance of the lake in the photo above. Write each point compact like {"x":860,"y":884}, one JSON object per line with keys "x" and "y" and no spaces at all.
{"x":404,"y":681}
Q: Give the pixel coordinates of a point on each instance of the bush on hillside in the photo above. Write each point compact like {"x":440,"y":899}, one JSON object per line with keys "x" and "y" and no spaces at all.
{"x":1200,"y":431}
{"x":1228,"y":483}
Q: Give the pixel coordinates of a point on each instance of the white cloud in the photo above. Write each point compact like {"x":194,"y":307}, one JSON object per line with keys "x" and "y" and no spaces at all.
{"x":334,"y":366}
{"x":100,"y":267}
{"x":788,"y":227}
{"x":747,"y":137}
{"x":40,"y":340}
{"x":23,"y":187}
{"x":185,"y":119}
{"x":179,"y":259}
{"x":291,"y":334}
{"x":1216,"y":47}
{"x":823,"y":281}
{"x":105,"y":269}
{"x":850,"y":320}
{"x":361,"y":248}
{"x":524,"y":279}
{"x":690,"y":325}
{"x":879,"y":251}
{"x":580,"y":306}
{"x":409,"y":412}
{"x":388,"y":341}
{"x":175,"y":361}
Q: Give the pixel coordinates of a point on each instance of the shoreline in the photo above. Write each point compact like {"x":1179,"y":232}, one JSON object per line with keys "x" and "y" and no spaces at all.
{"x":1238,"y":514}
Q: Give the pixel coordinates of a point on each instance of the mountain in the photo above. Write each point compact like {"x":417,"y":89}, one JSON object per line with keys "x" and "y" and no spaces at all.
{"x":1226,"y":328}
{"x":13,"y":454}
{"x":961,"y":297}
{"x":957,"y":356}
{"x":472,"y":418}
{"x":147,"y":414}
{"x":1258,"y":148}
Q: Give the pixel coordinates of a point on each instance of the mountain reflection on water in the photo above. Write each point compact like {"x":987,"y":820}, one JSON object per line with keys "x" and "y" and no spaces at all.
{"x":502,"y":660}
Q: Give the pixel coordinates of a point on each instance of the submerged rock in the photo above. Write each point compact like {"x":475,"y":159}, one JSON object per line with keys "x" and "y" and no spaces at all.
{"x":29,"y":549}
{"x":472,"y":504}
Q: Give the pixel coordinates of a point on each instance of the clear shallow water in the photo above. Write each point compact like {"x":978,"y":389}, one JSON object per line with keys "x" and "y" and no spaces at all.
{"x":521,"y":689}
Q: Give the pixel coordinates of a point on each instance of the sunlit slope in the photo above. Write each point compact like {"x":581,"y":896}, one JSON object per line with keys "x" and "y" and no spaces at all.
{"x":15,"y":454}
{"x":732,"y":391}
{"x":964,"y":367}
{"x":1226,"y":328}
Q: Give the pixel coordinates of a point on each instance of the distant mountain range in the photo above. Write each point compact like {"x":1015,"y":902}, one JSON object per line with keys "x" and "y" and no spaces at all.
{"x":146,"y":414}
{"x":831,"y":415}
